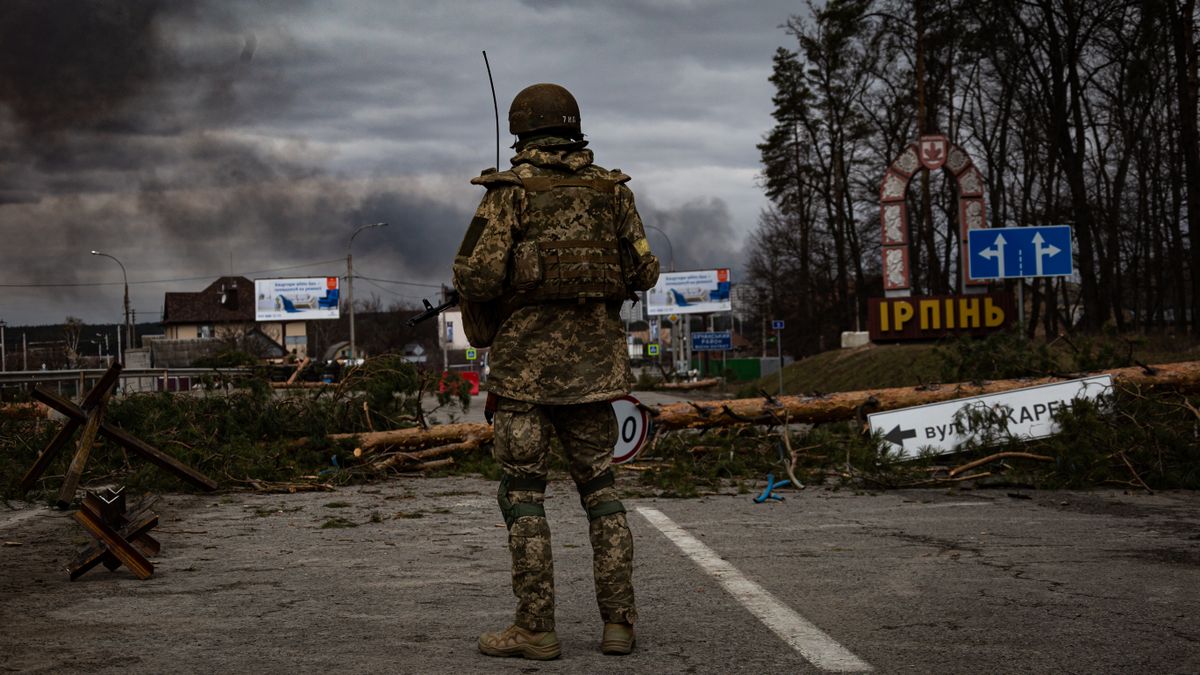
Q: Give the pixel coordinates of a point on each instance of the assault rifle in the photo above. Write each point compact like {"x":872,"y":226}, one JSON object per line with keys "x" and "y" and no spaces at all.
{"x":432,"y":311}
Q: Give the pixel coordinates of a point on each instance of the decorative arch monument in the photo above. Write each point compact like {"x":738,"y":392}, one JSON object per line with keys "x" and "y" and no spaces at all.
{"x":900,"y":316}
{"x":929,"y":153}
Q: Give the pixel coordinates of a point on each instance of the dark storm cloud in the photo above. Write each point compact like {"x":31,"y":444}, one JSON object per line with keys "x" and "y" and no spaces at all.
{"x":75,"y":62}
{"x":181,"y":134}
{"x":700,"y":233}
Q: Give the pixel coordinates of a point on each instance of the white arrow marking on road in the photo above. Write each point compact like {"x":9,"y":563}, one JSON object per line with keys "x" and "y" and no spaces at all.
{"x":812,"y":643}
{"x":1040,"y":250}
{"x":997,"y":253}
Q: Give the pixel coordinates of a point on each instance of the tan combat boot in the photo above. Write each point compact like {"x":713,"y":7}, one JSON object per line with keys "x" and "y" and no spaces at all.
{"x":516,"y":641}
{"x":618,"y":639}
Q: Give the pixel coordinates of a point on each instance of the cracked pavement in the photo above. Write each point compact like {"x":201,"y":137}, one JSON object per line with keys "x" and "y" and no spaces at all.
{"x":918,"y":581}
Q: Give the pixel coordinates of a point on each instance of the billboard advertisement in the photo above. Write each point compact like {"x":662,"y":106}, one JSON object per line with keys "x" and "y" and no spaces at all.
{"x":296,"y":299}
{"x":695,"y":292}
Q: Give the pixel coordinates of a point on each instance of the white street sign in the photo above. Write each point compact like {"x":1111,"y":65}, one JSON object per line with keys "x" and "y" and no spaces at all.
{"x":633,"y":424}
{"x":1027,"y":413}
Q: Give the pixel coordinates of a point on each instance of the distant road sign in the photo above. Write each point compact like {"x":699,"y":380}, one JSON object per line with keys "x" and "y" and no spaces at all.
{"x":777,"y":324}
{"x":1016,"y":252}
{"x":652,"y":349}
{"x":1029,"y":413}
{"x":472,"y":354}
{"x":716,"y":341}
{"x":633,"y":425}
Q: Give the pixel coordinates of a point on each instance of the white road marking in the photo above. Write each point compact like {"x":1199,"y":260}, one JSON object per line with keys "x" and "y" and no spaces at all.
{"x":813,"y":644}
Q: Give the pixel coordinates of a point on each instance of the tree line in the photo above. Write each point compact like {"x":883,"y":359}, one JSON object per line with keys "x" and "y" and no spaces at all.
{"x":1080,"y":112}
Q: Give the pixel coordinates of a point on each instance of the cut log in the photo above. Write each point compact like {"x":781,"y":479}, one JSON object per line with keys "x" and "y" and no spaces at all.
{"x":791,"y":409}
{"x":849,"y":405}
{"x":403,"y":460}
{"x":440,"y":434}
{"x":684,"y":386}
{"x":32,"y":410}
{"x":299,"y":369}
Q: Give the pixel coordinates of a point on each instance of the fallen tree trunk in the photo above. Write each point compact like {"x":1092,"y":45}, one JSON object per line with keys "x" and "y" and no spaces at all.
{"x":851,"y":404}
{"x":25,"y":411}
{"x":698,"y":384}
{"x":416,"y":437}
{"x":785,"y":409}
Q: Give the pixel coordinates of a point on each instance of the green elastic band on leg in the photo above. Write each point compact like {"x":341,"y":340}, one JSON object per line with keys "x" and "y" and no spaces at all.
{"x":600,"y":482}
{"x":604,"y":480}
{"x":521,"y":509}
{"x":527,"y":484}
{"x":605,"y":509}
{"x":511,"y":510}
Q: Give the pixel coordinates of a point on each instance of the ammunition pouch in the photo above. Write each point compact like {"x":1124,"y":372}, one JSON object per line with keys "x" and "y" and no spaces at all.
{"x":571,"y":250}
{"x":594,"y":485}
{"x":513,"y":511}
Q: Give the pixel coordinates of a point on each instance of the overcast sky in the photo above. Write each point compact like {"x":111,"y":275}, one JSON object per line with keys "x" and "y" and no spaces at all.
{"x":191,"y":139}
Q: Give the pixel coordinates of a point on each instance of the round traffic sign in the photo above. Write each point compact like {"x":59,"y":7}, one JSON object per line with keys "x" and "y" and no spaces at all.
{"x":633,"y":426}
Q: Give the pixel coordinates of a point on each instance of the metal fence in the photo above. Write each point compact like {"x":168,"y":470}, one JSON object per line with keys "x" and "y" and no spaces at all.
{"x":75,"y":383}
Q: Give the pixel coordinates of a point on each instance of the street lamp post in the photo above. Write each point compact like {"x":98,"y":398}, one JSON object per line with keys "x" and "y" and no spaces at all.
{"x":684,"y":345}
{"x":128,"y":328}
{"x":3,"y":347}
{"x":670,"y":248}
{"x":350,"y":280}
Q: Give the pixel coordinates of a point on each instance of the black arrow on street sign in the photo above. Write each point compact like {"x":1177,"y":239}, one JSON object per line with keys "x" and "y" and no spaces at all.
{"x":896,"y":436}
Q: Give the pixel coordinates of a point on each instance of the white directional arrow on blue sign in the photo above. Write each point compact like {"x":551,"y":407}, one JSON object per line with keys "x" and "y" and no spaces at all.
{"x":996,"y":253}
{"x":1014,"y":252}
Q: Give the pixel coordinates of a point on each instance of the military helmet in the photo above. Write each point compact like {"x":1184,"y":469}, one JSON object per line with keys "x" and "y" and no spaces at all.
{"x":543,"y":106}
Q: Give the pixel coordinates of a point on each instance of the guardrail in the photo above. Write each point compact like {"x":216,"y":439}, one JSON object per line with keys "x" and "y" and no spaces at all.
{"x":75,"y":382}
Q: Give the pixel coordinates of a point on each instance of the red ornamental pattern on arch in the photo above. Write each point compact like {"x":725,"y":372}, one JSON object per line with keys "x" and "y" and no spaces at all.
{"x":929,"y":153}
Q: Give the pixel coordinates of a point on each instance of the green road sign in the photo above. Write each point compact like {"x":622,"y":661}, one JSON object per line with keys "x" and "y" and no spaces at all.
{"x":472,"y":354}
{"x":652,"y":350}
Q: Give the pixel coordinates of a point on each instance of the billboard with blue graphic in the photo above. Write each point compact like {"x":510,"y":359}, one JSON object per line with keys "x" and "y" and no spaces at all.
{"x":696,"y":292}
{"x":296,"y":299}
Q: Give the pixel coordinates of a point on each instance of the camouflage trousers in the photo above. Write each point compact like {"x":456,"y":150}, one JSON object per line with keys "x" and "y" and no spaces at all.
{"x":587,"y":433}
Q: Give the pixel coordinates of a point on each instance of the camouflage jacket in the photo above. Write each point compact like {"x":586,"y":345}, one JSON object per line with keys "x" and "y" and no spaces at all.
{"x":554,"y":353}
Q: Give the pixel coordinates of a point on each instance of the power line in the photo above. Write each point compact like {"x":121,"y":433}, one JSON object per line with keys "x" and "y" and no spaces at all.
{"x":396,"y":281}
{"x":387,"y":290}
{"x":165,"y":281}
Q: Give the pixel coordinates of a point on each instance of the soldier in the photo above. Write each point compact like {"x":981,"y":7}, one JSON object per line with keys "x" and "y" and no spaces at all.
{"x":554,"y":249}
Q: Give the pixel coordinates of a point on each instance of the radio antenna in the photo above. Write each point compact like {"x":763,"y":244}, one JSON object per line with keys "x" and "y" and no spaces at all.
{"x":495,"y":107}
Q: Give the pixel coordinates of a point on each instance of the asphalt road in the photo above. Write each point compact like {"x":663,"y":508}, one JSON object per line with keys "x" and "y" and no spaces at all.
{"x":902,"y":582}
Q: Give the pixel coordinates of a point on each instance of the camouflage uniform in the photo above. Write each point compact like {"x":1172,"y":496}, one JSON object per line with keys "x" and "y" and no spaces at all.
{"x":555,"y":366}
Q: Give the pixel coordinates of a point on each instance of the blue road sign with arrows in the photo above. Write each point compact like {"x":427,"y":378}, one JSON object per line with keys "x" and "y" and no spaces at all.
{"x":1015,"y":252}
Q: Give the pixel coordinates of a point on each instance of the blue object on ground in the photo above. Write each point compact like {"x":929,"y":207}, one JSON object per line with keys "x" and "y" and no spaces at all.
{"x":768,"y":492}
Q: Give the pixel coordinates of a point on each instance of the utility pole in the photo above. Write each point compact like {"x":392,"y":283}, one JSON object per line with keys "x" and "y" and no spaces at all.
{"x":350,"y":281}
{"x":3,"y":354}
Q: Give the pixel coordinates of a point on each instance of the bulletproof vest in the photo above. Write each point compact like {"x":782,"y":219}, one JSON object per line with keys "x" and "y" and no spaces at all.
{"x":569,"y":250}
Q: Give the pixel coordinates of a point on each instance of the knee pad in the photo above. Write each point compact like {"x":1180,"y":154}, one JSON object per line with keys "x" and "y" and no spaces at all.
{"x":513,"y":511}
{"x":606,"y":508}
